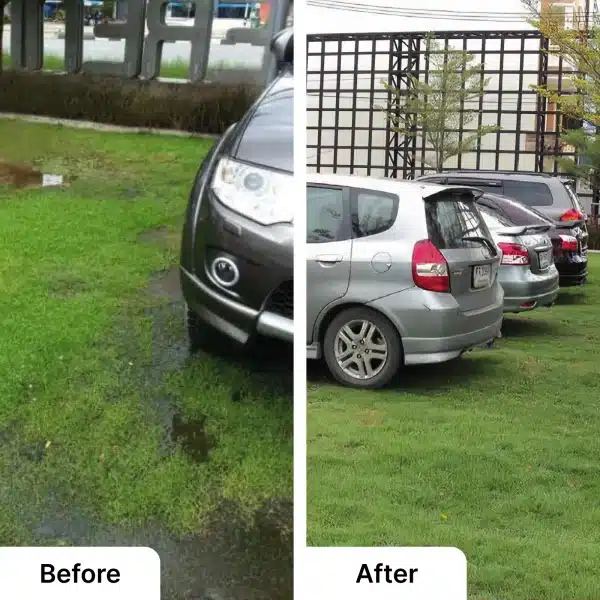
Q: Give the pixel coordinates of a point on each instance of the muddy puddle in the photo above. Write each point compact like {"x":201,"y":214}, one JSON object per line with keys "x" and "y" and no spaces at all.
{"x":19,"y":176}
{"x":24,"y":177}
{"x":166,"y":284}
{"x":229,"y":561}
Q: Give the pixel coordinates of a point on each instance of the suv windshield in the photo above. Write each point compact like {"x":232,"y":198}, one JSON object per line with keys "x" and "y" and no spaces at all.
{"x":268,"y":139}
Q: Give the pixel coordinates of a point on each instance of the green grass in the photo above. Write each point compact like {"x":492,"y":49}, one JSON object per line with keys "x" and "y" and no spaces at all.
{"x":173,"y":69}
{"x":497,"y":454}
{"x":86,"y":353}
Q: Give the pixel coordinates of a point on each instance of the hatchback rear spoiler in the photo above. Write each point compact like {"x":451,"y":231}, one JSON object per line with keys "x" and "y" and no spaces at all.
{"x":523,"y":229}
{"x":454,"y":189}
{"x":568,"y":224}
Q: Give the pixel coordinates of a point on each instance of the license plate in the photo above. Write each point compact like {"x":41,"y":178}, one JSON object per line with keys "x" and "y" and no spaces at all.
{"x":482,"y":276}
{"x":545,"y":258}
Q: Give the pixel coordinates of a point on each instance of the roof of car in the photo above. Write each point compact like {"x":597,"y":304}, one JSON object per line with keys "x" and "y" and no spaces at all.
{"x":381,"y":184}
{"x":497,"y":175}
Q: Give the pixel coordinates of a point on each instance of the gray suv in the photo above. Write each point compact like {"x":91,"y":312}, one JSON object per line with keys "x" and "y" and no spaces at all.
{"x":398,"y":273}
{"x":237,"y":243}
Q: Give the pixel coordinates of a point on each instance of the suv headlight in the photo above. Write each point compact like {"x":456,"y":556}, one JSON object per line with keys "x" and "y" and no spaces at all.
{"x":260,"y":194}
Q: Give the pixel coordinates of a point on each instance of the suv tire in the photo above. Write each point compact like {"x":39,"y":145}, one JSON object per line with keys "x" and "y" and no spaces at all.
{"x":379,"y":329}
{"x":203,"y":336}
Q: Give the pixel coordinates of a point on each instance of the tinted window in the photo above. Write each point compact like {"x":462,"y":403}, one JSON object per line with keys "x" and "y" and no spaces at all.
{"x":493,"y":187}
{"x":520,"y":214}
{"x":373,"y":212}
{"x":451,"y":220}
{"x":528,"y":192}
{"x":268,"y":138}
{"x":494,"y":219}
{"x":324,"y":215}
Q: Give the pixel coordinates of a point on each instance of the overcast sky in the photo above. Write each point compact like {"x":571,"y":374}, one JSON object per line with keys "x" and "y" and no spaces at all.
{"x":329,"y":20}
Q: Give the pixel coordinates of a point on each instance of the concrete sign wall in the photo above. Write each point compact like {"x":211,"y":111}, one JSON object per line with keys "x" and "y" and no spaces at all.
{"x":144,"y":31}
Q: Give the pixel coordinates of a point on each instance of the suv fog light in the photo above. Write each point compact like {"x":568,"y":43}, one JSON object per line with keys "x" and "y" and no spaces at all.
{"x":225,"y":271}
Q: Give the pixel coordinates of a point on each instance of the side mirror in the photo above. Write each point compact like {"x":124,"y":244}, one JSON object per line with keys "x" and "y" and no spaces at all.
{"x":282,"y":47}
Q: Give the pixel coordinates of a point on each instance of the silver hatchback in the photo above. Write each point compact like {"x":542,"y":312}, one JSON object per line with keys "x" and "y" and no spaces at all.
{"x":398,"y":273}
{"x":527,"y":272}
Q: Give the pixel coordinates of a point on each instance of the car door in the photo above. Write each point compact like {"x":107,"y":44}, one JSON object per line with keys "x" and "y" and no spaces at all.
{"x":329,"y":249}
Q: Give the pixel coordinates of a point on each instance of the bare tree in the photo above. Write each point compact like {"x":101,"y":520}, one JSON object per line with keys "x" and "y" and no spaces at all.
{"x":439,"y":108}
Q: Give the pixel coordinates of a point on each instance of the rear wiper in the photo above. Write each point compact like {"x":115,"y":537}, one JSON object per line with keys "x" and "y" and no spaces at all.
{"x":491,"y":247}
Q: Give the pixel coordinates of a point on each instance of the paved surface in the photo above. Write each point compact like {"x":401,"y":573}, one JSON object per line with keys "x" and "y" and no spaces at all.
{"x":240,"y":55}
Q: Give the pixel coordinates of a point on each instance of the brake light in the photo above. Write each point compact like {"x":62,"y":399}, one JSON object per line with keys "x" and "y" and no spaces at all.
{"x":568,"y":243}
{"x":430,"y":268}
{"x":514,"y":254}
{"x":572,"y":215}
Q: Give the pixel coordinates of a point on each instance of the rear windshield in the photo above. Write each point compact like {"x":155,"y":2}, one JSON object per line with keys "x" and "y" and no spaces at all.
{"x":520,"y":214}
{"x":452,"y":219}
{"x":493,"y":219}
{"x":530,"y":193}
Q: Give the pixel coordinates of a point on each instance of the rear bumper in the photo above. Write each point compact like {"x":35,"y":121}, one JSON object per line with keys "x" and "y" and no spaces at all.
{"x":524,"y":290}
{"x":433,"y":327}
{"x":572,"y":273}
{"x":421,"y":351}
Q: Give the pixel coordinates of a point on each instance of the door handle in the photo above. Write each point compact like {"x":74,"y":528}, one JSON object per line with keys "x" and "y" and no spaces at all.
{"x":329,"y":258}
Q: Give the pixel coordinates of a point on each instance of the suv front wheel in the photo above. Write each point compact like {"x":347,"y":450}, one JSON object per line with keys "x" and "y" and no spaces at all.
{"x":362,"y":348}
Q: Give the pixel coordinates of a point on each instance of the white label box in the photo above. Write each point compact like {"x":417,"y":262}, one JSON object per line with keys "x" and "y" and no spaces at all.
{"x":426,"y":573}
{"x":84,"y":573}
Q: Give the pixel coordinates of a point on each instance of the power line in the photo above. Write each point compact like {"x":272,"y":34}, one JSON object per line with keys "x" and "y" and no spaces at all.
{"x":430,"y":14}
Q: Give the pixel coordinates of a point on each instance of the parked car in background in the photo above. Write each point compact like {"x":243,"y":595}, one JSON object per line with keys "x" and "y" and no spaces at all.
{"x":527,"y":272}
{"x":553,"y":196}
{"x":237,"y":243}
{"x":398,"y":273}
{"x":569,"y":238}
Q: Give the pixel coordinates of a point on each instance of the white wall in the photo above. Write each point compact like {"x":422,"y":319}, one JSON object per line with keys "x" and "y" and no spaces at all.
{"x":348,"y":99}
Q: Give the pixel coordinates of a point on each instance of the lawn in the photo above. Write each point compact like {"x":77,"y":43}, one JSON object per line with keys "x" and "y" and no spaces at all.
{"x":111,"y":433}
{"x":497,"y":453}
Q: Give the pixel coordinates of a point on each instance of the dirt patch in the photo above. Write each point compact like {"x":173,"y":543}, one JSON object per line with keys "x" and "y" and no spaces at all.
{"x":166,"y":284}
{"x":161,"y":236}
{"x":67,"y":287}
{"x":19,"y":176}
{"x":154,"y":235}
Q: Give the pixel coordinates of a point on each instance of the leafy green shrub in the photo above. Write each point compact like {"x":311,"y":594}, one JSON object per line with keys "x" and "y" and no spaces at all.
{"x":202,"y":108}
{"x":594,"y":238}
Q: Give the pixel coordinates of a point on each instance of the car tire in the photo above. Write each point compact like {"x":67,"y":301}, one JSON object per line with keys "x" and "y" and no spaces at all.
{"x":199,"y":331}
{"x":385,"y":370}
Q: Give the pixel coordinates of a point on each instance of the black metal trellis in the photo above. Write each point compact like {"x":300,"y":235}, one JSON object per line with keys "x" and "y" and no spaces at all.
{"x":348,"y":133}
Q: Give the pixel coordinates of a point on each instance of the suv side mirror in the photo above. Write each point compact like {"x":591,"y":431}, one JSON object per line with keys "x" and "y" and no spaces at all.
{"x":282,"y":46}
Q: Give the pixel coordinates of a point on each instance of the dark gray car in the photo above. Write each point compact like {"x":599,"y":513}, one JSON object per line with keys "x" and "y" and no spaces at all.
{"x":555,"y":197}
{"x":237,"y":243}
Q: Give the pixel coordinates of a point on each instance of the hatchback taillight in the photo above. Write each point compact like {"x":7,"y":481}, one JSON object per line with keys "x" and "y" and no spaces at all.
{"x":514,"y":254}
{"x":572,"y":215}
{"x":568,"y":243}
{"x":430,"y":268}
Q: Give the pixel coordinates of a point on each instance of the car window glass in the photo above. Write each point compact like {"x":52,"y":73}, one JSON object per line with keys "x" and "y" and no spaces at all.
{"x":530,"y":193}
{"x":522,"y":215}
{"x":493,"y":218}
{"x":374,"y":212}
{"x":452,"y":219}
{"x":324,"y":215}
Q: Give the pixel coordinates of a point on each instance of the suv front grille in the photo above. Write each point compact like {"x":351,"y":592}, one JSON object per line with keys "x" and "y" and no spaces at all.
{"x":281,"y":300}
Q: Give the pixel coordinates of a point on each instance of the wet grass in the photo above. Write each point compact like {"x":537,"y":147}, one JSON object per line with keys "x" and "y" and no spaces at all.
{"x":106,"y":423}
{"x":497,"y":453}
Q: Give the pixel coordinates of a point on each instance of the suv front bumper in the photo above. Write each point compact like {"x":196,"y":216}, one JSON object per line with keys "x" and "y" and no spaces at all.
{"x":232,"y":318}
